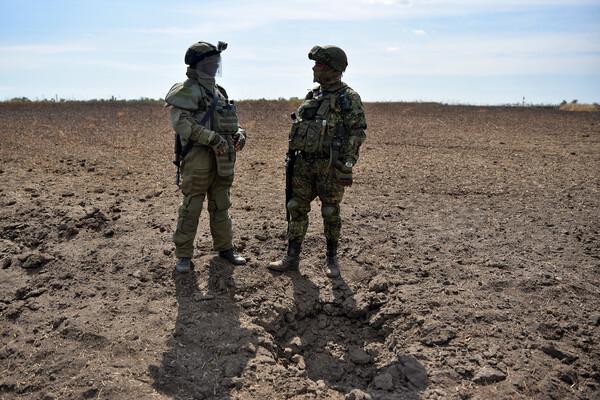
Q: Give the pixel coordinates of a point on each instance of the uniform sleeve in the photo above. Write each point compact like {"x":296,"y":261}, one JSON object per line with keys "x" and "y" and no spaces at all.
{"x":188,"y":128}
{"x":355,"y":124}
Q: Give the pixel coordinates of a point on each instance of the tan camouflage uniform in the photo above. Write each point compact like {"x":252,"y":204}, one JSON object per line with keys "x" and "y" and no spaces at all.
{"x":208,"y":167}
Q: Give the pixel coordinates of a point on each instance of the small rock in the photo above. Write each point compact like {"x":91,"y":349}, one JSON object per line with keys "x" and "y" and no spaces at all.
{"x":11,"y":202}
{"x":595,"y":319}
{"x":6,"y":263}
{"x":379,"y":284}
{"x":138,"y":274}
{"x":357,"y":394}
{"x":436,"y":334}
{"x":567,"y":375}
{"x":250,"y":348}
{"x":384,"y":381}
{"x":58,"y":322}
{"x":35,"y":260}
{"x":413,"y":371}
{"x":359,"y":356}
{"x":554,"y":352}
{"x":488,"y":375}
{"x":167,"y":252}
{"x":299,"y":360}
{"x":109,"y":233}
{"x":261,"y":237}
{"x":296,"y":344}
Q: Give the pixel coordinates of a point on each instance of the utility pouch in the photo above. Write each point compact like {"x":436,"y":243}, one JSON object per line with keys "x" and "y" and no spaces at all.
{"x":308,"y":109}
{"x":226,"y":161}
{"x":305,"y":135}
{"x":225,"y":119}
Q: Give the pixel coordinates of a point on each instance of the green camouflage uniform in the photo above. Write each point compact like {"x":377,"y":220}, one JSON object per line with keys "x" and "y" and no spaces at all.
{"x":315,"y":175}
{"x":204,"y":173}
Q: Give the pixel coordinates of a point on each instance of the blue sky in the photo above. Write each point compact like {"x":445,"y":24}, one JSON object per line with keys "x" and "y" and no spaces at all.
{"x":459,"y":51}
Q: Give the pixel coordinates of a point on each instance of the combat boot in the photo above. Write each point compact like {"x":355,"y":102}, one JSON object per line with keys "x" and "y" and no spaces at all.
{"x":232,"y":257}
{"x":183,"y":264}
{"x":333,"y":268}
{"x":291,"y":261}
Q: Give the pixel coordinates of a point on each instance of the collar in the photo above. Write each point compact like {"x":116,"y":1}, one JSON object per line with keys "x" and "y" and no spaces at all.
{"x":333,"y":87}
{"x":207,"y":83}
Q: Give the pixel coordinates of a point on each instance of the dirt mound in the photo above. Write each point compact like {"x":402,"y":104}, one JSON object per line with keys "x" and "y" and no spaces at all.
{"x":470,"y":261}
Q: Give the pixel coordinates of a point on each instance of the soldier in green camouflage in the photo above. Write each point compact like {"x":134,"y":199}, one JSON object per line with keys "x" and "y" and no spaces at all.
{"x":325,"y":140}
{"x":206,"y":124}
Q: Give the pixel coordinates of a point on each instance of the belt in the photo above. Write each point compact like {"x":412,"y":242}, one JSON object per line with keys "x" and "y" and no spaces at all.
{"x":313,"y":156}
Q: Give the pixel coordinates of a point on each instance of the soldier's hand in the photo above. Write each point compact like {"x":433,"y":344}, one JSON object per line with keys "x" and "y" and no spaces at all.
{"x":344,"y":173}
{"x":219,"y":145}
{"x":239,"y":139}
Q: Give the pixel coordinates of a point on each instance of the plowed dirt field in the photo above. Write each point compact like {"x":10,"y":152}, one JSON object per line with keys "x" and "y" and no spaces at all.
{"x":470,"y":261}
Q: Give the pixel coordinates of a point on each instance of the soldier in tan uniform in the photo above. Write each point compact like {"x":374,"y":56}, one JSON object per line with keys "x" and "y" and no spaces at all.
{"x":324,"y":146}
{"x":206,"y":126}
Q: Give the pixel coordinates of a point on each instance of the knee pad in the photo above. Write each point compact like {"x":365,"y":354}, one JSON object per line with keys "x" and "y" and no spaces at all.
{"x":330,"y":211}
{"x":296,"y":208}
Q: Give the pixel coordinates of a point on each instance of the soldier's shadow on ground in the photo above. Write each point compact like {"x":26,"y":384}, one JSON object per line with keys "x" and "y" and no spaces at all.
{"x":340,"y":347}
{"x":207,"y":351}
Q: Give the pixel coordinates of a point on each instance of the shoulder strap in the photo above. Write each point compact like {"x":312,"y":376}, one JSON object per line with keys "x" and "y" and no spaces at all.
{"x":211,"y":109}
{"x":343,"y":101}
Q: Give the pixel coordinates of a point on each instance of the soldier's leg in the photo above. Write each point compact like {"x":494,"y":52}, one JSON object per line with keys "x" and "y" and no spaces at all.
{"x":304,"y":191}
{"x":197,"y":176}
{"x":220,"y":222}
{"x":331,"y":194}
{"x":187,"y":224}
{"x":332,"y":221}
{"x":298,"y":208}
{"x":218,"y":207}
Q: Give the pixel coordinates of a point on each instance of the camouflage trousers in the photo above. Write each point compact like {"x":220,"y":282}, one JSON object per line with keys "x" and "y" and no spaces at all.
{"x":314,"y":178}
{"x":200,"y":180}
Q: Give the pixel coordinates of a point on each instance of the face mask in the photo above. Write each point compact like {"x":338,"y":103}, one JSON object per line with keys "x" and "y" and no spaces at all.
{"x":210,"y":67}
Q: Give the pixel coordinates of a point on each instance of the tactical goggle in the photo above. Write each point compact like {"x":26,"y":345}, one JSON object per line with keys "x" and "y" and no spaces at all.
{"x":196,"y":58}
{"x":317,"y":54}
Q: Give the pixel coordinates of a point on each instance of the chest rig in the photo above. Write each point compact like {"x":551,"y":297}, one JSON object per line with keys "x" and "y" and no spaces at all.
{"x":223,"y":120}
{"x":319,"y":115}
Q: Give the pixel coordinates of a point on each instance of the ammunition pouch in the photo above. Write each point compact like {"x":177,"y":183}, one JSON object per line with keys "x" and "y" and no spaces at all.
{"x":306,"y":135}
{"x":226,"y":161}
{"x":225,"y":120}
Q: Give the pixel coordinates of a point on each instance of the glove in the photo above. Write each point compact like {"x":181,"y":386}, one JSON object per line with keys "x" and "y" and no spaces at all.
{"x":218,"y":144}
{"x":344,"y":173}
{"x":239,"y":139}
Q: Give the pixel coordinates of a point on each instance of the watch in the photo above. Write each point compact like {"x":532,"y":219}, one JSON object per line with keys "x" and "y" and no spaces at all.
{"x":349,"y":164}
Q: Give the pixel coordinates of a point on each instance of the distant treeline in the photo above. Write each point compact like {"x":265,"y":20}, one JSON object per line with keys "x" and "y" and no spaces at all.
{"x":147,"y":100}
{"x":116,"y":100}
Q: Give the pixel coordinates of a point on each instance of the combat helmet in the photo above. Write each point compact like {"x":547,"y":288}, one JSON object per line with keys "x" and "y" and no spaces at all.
{"x":329,"y":55}
{"x":201,"y":50}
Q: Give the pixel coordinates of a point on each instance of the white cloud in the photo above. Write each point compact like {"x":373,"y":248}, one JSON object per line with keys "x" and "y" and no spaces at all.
{"x":419,"y":32}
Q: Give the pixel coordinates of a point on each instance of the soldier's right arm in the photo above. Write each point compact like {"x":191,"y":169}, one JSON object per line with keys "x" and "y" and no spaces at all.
{"x":185,"y":99}
{"x":188,"y":128}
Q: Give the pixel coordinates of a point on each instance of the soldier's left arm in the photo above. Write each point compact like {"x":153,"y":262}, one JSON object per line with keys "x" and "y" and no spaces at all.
{"x":355,"y":124}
